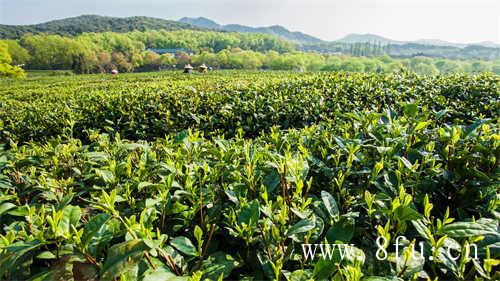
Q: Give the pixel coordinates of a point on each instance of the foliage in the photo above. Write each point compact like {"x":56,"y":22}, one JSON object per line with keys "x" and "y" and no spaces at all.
{"x":275,"y":30}
{"x":152,"y":105}
{"x":133,"y":51}
{"x":376,"y":47}
{"x":168,"y":177}
{"x":91,"y":23}
{"x":101,"y":52}
{"x":6,"y":69}
{"x":354,"y":45}
{"x":19,"y":54}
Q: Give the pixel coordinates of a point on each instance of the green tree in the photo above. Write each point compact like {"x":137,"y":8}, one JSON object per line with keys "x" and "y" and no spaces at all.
{"x":210,"y":59}
{"x":5,"y":60}
{"x":18,"y":54}
{"x":223,"y":59}
{"x":104,"y":62}
{"x":314,"y":62}
{"x":150,"y":60}
{"x":182,"y":59}
{"x":447,"y":66}
{"x":135,"y":59}
{"x":50,"y":52}
{"x":352,"y":65}
{"x":386,"y":59}
{"x":426,"y":69}
{"x":333,"y":63}
{"x":395,"y":66}
{"x":496,"y":67}
{"x":167,"y":60}
{"x":370,"y":65}
{"x":479,"y":66}
{"x":120,"y":61}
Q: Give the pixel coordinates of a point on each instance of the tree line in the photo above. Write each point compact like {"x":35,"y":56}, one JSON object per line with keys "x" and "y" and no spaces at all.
{"x":407,"y":50}
{"x":127,"y":52}
{"x":100,"y":52}
{"x":6,"y":67}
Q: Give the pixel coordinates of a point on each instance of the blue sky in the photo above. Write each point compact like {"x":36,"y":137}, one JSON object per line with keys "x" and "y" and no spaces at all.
{"x":462,"y":21}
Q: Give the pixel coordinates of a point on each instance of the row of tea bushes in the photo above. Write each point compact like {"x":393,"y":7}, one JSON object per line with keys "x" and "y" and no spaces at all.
{"x":185,"y":207}
{"x":142,"y":107}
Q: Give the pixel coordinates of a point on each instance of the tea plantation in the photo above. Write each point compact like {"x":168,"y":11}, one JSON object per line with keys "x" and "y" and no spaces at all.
{"x":228,"y":176}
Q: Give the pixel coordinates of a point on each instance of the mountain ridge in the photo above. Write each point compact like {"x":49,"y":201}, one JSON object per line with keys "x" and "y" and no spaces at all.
{"x":276,"y":30}
{"x":92,"y":23}
{"x":95,"y":23}
{"x":371,"y":38}
{"x":366,"y":38}
{"x":303,"y":38}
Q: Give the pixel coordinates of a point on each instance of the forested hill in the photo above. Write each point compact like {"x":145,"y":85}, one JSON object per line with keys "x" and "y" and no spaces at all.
{"x":92,"y":23}
{"x":276,"y":30}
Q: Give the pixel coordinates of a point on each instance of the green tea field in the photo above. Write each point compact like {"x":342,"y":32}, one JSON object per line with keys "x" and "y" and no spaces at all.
{"x":239,"y":175}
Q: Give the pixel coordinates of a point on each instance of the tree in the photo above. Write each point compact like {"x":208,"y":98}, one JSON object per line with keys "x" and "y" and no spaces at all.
{"x":496,"y":67}
{"x":51,"y":52}
{"x":104,"y":62}
{"x":370,"y":65}
{"x":84,"y":59}
{"x":119,"y":60}
{"x":352,"y":65}
{"x":246,"y":60}
{"x":479,"y":66}
{"x":167,"y":60}
{"x":5,"y":60}
{"x":223,"y":59}
{"x":135,"y":59}
{"x":270,"y":56}
{"x":150,"y":60}
{"x":426,"y":69}
{"x":447,"y":66}
{"x":415,"y":61}
{"x":333,"y":63}
{"x":207,"y":58}
{"x":182,"y":59}
{"x":314,"y":62}
{"x":85,"y":62}
{"x":386,"y":59}
{"x":18,"y":54}
{"x":395,"y":66}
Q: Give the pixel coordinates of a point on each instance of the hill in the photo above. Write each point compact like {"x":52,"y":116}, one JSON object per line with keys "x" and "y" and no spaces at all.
{"x":92,"y":23}
{"x":371,"y":38}
{"x":276,"y":30}
{"x":366,"y":38}
{"x":201,"y":22}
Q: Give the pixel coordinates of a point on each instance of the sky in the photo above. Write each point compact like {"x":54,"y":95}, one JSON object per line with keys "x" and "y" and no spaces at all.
{"x":460,"y":21}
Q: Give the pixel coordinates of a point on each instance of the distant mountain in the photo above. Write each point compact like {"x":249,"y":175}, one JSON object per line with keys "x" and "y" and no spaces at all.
{"x":201,"y":22}
{"x":437,"y":42}
{"x":367,"y":38}
{"x":92,"y":23}
{"x":488,"y":44}
{"x":276,"y":30}
{"x":371,"y":38}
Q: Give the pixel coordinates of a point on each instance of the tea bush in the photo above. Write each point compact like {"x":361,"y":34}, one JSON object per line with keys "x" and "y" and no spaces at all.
{"x":243,"y":170}
{"x":143,"y":107}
